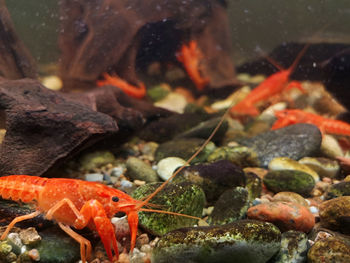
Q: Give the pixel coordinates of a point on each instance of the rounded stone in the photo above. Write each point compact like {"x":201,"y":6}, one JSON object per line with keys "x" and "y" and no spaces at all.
{"x":246,"y":241}
{"x":139,"y":170}
{"x":337,"y":190}
{"x":329,"y":249}
{"x":290,"y":197}
{"x":289,"y":181}
{"x":167,"y":166}
{"x":287,"y":216}
{"x":324,"y":167}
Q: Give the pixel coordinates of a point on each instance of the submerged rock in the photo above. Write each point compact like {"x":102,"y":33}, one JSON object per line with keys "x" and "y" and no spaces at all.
{"x":139,"y":170}
{"x":290,"y":181}
{"x":214,"y":178}
{"x":184,"y":148}
{"x":253,"y":185}
{"x":329,"y":249}
{"x":239,"y":155}
{"x":323,"y":166}
{"x":231,"y":206}
{"x":167,"y":166}
{"x":294,"y":246}
{"x":184,"y":198}
{"x":94,"y":160}
{"x":246,"y":241}
{"x":339,"y":189}
{"x":287,"y":216}
{"x":295,"y":141}
{"x":335,"y":213}
{"x":290,"y":197}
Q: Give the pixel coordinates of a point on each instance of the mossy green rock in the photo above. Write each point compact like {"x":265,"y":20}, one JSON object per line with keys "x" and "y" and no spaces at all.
{"x":294,"y":246}
{"x":214,"y":178}
{"x":244,"y":241}
{"x":158,"y":92}
{"x":184,"y":198}
{"x":289,"y":180}
{"x":184,"y":148}
{"x":239,"y":155}
{"x":253,"y":185}
{"x":231,"y":206}
{"x":337,"y":190}
{"x":57,"y":247}
{"x":95,"y":160}
{"x":329,"y":249}
{"x":139,"y":170}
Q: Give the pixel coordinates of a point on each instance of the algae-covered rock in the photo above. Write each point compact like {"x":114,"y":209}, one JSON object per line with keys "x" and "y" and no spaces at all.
{"x":337,"y":190}
{"x":139,"y":170}
{"x":184,"y":148}
{"x":94,"y":160}
{"x":247,"y":241}
{"x":184,"y":198}
{"x":329,"y":249}
{"x":231,"y":206}
{"x":253,"y":185}
{"x":214,"y":178}
{"x":295,"y":141}
{"x":239,"y":155}
{"x":57,"y":247}
{"x":294,"y":246}
{"x":158,"y":92}
{"x":323,"y":166}
{"x":290,"y":181}
{"x":335,"y":213}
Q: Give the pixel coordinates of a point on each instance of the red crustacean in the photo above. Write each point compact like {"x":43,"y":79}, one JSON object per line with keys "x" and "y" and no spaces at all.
{"x":77,"y":203}
{"x":273,"y":85}
{"x":289,"y":117}
{"x":137,"y":92}
{"x":190,"y":56}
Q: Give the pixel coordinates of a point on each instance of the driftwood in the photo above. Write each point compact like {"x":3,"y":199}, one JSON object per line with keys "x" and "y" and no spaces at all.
{"x":44,"y":127}
{"x":107,"y":36}
{"x":15,"y":60}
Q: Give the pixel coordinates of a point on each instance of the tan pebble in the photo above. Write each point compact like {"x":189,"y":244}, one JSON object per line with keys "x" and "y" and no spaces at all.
{"x":316,"y":192}
{"x":142,"y":240}
{"x":29,"y":236}
{"x":327,"y":180}
{"x":146,"y":248}
{"x":124,"y":258}
{"x":139,"y":182}
{"x":290,"y":197}
{"x":322,"y":235}
{"x":322,"y":186}
{"x":347,"y":178}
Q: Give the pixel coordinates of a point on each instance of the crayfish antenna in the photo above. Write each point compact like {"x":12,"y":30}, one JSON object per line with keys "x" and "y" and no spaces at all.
{"x":169,"y":213}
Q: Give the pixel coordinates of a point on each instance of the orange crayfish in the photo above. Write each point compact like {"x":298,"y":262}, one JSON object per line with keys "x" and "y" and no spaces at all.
{"x":289,"y":117}
{"x":190,"y":56}
{"x":133,"y":91}
{"x":77,"y":203}
{"x":273,"y":85}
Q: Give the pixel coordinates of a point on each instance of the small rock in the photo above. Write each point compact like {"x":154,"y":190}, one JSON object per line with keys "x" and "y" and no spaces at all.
{"x":239,"y":155}
{"x":139,"y":170}
{"x":117,"y":171}
{"x":5,"y":249}
{"x":253,"y":185}
{"x":294,"y":141}
{"x":95,"y":160}
{"x":15,"y":241}
{"x":214,"y":178}
{"x":231,"y":206}
{"x":149,"y":149}
{"x":335,"y":214}
{"x":184,"y":148}
{"x":287,"y":216}
{"x":324,"y":167}
{"x":30,"y":236}
{"x":167,"y":166}
{"x":284,"y":163}
{"x":330,"y":147}
{"x":52,"y":82}
{"x":290,"y":197}
{"x":95,"y":177}
{"x":246,"y":241}
{"x":121,"y":227}
{"x":158,"y":92}
{"x":329,"y":250}
{"x":141,"y":240}
{"x":173,"y":101}
{"x":184,"y":198}
{"x":289,"y":181}
{"x":294,"y":246}
{"x":337,"y":190}
{"x":34,"y":254}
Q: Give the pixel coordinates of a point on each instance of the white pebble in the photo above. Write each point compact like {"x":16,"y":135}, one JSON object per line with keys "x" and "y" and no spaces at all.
{"x":117,"y":171}
{"x":167,"y":166}
{"x":313,"y":209}
{"x":95,"y":177}
{"x":14,"y":237}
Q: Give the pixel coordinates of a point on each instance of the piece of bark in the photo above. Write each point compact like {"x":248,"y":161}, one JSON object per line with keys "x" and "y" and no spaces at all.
{"x":44,"y":127}
{"x":106,"y":36}
{"x":15,"y":60}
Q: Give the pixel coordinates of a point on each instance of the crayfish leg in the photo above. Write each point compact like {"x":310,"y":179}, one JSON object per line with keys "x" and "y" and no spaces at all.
{"x":133,"y":220}
{"x":85,"y":254}
{"x":16,"y":220}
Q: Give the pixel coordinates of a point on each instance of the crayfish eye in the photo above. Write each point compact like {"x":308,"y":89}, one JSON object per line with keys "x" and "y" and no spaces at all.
{"x":115,"y":199}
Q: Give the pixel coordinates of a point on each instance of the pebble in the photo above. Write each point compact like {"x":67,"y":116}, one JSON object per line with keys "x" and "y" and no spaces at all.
{"x":329,"y":249}
{"x":117,"y":171}
{"x":330,"y":147}
{"x":93,"y":160}
{"x":324,"y":167}
{"x":337,"y":190}
{"x":253,"y":185}
{"x":246,"y":241}
{"x":287,"y":216}
{"x":334,"y":214}
{"x":294,"y":141}
{"x":121,"y":227}
{"x":34,"y":254}
{"x":290,"y":197}
{"x":30,"y":236}
{"x":140,"y":170}
{"x":294,"y":247}
{"x":95,"y":177}
{"x":289,"y":181}
{"x":167,"y":166}
{"x":52,"y":82}
{"x":173,"y":101}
